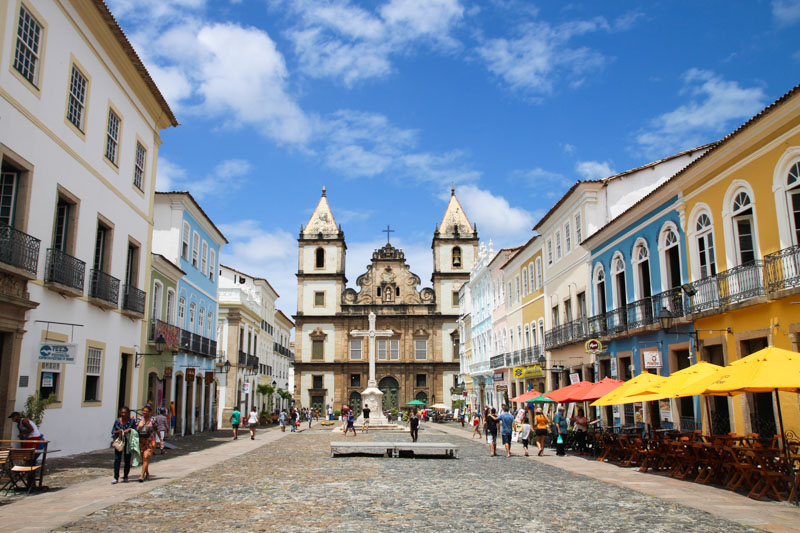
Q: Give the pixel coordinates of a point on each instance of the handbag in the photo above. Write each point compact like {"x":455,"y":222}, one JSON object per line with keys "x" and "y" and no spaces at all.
{"x":560,"y":439}
{"x":118,"y":444}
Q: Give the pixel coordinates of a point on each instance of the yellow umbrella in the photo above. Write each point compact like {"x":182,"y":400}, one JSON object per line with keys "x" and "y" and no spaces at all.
{"x":766,"y":370}
{"x":623,"y":394}
{"x":680,"y":381}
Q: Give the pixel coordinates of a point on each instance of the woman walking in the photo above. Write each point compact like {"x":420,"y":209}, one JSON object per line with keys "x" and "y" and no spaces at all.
{"x":413,"y":423}
{"x":525,"y":434}
{"x":476,"y":425}
{"x":252,"y":422}
{"x":542,"y":422}
{"x":146,"y":428}
{"x":581,"y":427}
{"x":122,"y":426}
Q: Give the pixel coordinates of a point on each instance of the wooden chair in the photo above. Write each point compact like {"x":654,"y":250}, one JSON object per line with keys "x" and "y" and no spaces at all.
{"x":23,"y":469}
{"x":744,"y":471}
{"x":767,"y":476}
{"x":5,"y":471}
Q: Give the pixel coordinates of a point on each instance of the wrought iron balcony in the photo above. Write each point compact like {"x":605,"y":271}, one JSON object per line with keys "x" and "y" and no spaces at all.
{"x":242,"y":358}
{"x":706,"y":295}
{"x":252,"y":361}
{"x":171,"y":334}
{"x":19,"y":249}
{"x":673,"y":299}
{"x":783,"y":269}
{"x":497,"y":361}
{"x":65,"y":270}
{"x":640,"y":313}
{"x":598,"y":325}
{"x":741,"y":283}
{"x":196,"y":343}
{"x":574,"y":331}
{"x":133,"y":299}
{"x":104,"y":287}
{"x":617,"y":320}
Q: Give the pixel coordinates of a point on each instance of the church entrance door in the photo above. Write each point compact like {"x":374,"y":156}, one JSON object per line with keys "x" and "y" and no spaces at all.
{"x":390,"y":389}
{"x":355,"y":403}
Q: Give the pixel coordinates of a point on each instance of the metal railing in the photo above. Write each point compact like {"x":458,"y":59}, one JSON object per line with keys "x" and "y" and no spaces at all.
{"x":617,"y":320}
{"x":640,"y":313}
{"x":242,"y":358}
{"x":192,"y":342}
{"x":741,"y":283}
{"x":597,"y":325}
{"x":673,"y":299}
{"x":64,"y":269}
{"x":783,"y":269}
{"x":103,"y":287}
{"x":196,"y":343}
{"x":18,"y":249}
{"x":570,"y":332}
{"x":133,"y":299}
{"x":497,"y":361}
{"x":706,"y":295}
{"x":252,"y":361}
{"x":171,"y":334}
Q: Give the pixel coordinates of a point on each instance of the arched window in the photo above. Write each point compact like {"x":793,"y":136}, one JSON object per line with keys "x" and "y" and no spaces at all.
{"x":620,"y":293}
{"x":541,"y":331}
{"x":527,"y":337}
{"x":457,"y":257}
{"x":600,"y":289}
{"x":705,"y":246}
{"x":641,"y":260}
{"x":319,"y":258}
{"x":538,"y":272}
{"x":157,"y":303}
{"x":670,"y":258}
{"x":743,"y":228}
{"x":793,"y":199}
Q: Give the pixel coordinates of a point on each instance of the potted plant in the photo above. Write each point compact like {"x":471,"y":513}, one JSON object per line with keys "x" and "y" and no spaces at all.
{"x":35,"y":406}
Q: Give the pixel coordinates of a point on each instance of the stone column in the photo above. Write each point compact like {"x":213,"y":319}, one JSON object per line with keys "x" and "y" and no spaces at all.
{"x":202,"y":390}
{"x":183,"y":406}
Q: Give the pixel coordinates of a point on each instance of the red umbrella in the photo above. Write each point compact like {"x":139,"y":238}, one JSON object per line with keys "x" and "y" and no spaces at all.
{"x":530,"y":395}
{"x":567,"y":394}
{"x":597,"y":390}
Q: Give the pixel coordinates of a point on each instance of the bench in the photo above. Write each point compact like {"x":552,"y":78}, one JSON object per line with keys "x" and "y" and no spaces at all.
{"x":393,"y":449}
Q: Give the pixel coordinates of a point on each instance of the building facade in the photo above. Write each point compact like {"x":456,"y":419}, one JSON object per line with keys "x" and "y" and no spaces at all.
{"x":282,"y":358}
{"x":78,"y":148}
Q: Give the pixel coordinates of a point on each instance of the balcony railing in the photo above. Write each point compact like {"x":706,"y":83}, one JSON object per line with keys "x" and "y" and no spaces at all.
{"x":171,"y":334}
{"x":482,"y":366}
{"x":741,"y":283}
{"x":242,"y":358}
{"x":783,"y":269}
{"x":192,"y":342}
{"x":252,"y":361}
{"x":19,"y":249}
{"x":104,"y":287}
{"x":673,"y":299}
{"x":133,"y":299}
{"x":574,"y":331}
{"x":640,"y":313}
{"x":598,"y":325}
{"x":64,"y":269}
{"x":497,"y":361}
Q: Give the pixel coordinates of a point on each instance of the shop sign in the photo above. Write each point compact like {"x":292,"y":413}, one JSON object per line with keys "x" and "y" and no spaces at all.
{"x":47,"y":379}
{"x":498,"y":376}
{"x":593,"y":346}
{"x":652,"y":359}
{"x":190,"y":374}
{"x":501,"y":388}
{"x":518,"y":372}
{"x":614,"y":367}
{"x":245,"y":388}
{"x":57,"y":352}
{"x":167,"y":371}
{"x":534,"y":371}
{"x":209,"y":378}
{"x":574,"y":378}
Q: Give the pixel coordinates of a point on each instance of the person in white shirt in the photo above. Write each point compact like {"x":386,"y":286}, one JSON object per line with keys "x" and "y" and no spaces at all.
{"x":252,"y":422}
{"x":525,"y":434}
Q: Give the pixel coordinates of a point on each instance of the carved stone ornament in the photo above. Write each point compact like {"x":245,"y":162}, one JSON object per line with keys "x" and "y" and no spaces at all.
{"x":318,"y":334}
{"x":12,"y":286}
{"x":427,"y":295}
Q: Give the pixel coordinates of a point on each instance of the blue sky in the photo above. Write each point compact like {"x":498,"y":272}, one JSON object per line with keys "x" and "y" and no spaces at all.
{"x":388,"y":102}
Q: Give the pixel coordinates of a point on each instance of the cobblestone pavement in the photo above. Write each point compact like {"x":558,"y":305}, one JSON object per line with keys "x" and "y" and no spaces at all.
{"x":294,"y":485}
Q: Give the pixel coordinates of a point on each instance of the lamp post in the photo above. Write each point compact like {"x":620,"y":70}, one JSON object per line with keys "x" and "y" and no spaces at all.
{"x":160,"y":345}
{"x":225,"y":368}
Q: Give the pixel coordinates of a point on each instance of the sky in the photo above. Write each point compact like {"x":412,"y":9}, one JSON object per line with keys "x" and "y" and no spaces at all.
{"x":387,"y":103}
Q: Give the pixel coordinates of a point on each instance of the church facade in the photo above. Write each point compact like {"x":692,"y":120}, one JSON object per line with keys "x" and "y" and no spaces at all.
{"x":419,"y":360}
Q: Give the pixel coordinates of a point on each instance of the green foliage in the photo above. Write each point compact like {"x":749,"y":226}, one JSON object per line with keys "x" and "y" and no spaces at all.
{"x":337,"y":413}
{"x":393,"y":411}
{"x":458,"y":404}
{"x":266,"y":390}
{"x":35,"y":406}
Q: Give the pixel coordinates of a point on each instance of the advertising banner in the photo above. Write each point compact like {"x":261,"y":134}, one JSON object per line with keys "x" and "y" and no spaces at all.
{"x":57,"y":352}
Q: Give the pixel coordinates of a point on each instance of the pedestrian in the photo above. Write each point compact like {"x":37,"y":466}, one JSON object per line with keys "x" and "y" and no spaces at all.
{"x":413,"y":422}
{"x":172,"y":416}
{"x":542,"y":423}
{"x":476,"y":425}
{"x":236,"y":417}
{"x":146,"y":428}
{"x":282,"y":421}
{"x":345,"y":411}
{"x":26,"y":429}
{"x":330,"y":413}
{"x":162,"y":427}
{"x":461,"y":417}
{"x":122,"y":427}
{"x":581,"y":427}
{"x":293,"y":419}
{"x":507,"y":428}
{"x":310,"y":416}
{"x":252,"y":422}
{"x":560,"y":422}
{"x":491,"y":431}
{"x":525,"y":433}
{"x":350,"y":423}
{"x":365,"y":426}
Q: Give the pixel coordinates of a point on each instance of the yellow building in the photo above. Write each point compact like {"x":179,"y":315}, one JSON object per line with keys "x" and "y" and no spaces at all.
{"x":741,"y":216}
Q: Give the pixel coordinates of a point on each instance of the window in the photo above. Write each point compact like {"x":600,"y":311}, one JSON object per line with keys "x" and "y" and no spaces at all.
{"x":538,"y":272}
{"x":317,"y":349}
{"x":94,"y":363}
{"x":509,"y":294}
{"x":558,"y":245}
{"x":316,"y":382}
{"x":578,"y":229}
{"x":549,"y":252}
{"x":382,"y":350}
{"x":641,"y":258}
{"x":705,"y":246}
{"x":554,"y":316}
{"x":394,"y":350}
{"x":319,"y":298}
{"x":355,"y":380}
{"x":457,"y":257}
{"x":567,"y":237}
{"x":204,"y":259}
{"x":76,"y":101}
{"x":185,"y":241}
{"x":355,"y":348}
{"x":212,"y":262}
{"x":620,"y":287}
{"x":202,"y":318}
{"x":527,"y":337}
{"x":210,"y":324}
{"x":541,"y":331}
{"x":793,"y":198}
{"x":582,"y":304}
{"x":195,"y":249}
{"x":170,"y":307}
{"x":455,"y":298}
{"x":61,"y":233}
{"x":9,"y":188}
{"x":743,"y":228}
{"x":531,"y":277}
{"x":420,"y":350}
{"x":132,"y":265}
{"x":671,"y":261}
{"x":27,"y":53}
{"x":524,"y":282}
{"x":181,"y":311}
{"x":102,"y":248}
{"x":600,"y":289}
{"x":139,"y":165}
{"x":156,"y":314}
{"x":516,"y":288}
{"x":50,"y":380}
{"x":191,"y":317}
{"x":112,"y":137}
{"x":422,"y":380}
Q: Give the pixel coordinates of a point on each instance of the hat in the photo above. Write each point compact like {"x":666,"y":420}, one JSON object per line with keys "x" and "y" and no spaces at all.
{"x":15,"y":413}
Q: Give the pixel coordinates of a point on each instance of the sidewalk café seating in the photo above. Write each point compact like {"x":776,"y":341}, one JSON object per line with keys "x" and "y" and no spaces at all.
{"x":21,"y":467}
{"x":5,"y":470}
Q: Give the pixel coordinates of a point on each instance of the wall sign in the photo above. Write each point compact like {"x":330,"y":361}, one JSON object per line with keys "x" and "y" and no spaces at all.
{"x":593,"y":346}
{"x":498,"y":376}
{"x":652,"y":359}
{"x":245,"y":388}
{"x":534,"y":371}
{"x":57,"y":352}
{"x":574,"y":378}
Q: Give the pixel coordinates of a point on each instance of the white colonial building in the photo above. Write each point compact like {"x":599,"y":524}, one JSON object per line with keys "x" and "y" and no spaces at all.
{"x":80,"y":120}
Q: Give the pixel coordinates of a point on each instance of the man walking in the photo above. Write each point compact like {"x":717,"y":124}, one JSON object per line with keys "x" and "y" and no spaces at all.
{"x":293,"y":419}
{"x":560,"y":422}
{"x":507,"y":421}
{"x":162,"y":426}
{"x":365,"y":427}
{"x":236,"y":417}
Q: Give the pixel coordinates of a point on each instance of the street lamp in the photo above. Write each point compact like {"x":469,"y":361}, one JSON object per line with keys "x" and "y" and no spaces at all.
{"x":225,"y":368}
{"x":667,"y":317}
{"x":160,"y":344}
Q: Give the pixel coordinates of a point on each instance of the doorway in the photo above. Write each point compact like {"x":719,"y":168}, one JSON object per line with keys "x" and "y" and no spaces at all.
{"x":687,"y":420}
{"x":760,"y":404}
{"x":390,"y":389}
{"x":718,"y":405}
{"x":122,"y":398}
{"x":178,"y":404}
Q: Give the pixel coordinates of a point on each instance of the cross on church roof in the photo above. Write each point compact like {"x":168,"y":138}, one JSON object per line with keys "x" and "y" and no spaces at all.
{"x":388,"y":231}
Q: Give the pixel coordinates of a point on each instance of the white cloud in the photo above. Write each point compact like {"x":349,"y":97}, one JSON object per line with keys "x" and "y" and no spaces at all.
{"x":168,"y":175}
{"x":593,"y":170}
{"x":345,"y":42}
{"x":540,"y":57}
{"x":228,"y":175}
{"x":495,"y":217}
{"x":568,"y":148}
{"x":786,"y":12}
{"x":714,"y":106}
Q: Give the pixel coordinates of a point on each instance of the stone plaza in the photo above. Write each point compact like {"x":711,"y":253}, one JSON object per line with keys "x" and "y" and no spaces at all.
{"x":289,"y":482}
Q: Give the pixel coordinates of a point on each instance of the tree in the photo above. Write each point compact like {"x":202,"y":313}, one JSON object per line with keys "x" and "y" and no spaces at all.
{"x":268,"y":391}
{"x":35,"y":406}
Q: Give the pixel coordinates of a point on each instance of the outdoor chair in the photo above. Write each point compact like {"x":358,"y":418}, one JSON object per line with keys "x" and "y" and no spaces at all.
{"x":744,"y":471}
{"x":767,"y":476}
{"x":5,"y":471}
{"x":23,"y":470}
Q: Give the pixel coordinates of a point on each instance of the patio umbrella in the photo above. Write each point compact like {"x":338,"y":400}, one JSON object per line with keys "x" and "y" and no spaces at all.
{"x":438,"y":406}
{"x":681,"y":383}
{"x":525,"y":396}
{"x":623,"y":393}
{"x":415,"y":402}
{"x":767,"y":370}
{"x":598,"y":390}
{"x":541,"y":399}
{"x":566,"y":394}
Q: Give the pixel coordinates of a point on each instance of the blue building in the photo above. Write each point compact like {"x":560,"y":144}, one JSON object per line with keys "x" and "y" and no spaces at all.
{"x":638,"y":268}
{"x":187,"y":237}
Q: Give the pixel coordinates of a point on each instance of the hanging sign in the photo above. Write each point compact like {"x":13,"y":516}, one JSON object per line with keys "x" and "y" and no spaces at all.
{"x":498,"y":376}
{"x":245,"y":388}
{"x":518,"y":372}
{"x":190,"y":374}
{"x":652,"y":359}
{"x":57,"y":352}
{"x":574,"y":378}
{"x":593,"y":346}
{"x":501,"y":388}
{"x":47,"y":379}
{"x":167,"y":371}
{"x":534,"y":371}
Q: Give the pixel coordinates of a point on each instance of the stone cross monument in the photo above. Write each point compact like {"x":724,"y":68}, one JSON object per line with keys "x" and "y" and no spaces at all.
{"x":372,"y":395}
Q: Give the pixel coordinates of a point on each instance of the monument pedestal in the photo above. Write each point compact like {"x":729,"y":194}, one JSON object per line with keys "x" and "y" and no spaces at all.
{"x":372,"y":397}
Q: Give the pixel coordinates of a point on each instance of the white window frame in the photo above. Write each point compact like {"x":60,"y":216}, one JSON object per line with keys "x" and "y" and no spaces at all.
{"x":157,"y":311}
{"x":212,"y":264}
{"x":524,"y":282}
{"x":558,"y":245}
{"x":638,"y":283}
{"x":76,"y":99}
{"x":578,"y":229}
{"x":567,"y":238}
{"x":617,"y":260}
{"x":539,"y":281}
{"x":192,"y":308}
{"x":599,"y":270}
{"x":139,"y":166}
{"x":549,"y":252}
{"x":668,"y":228}
{"x":195,"y":249}
{"x":740,"y":214}
{"x":27,"y":48}
{"x":201,"y":321}
{"x":517,"y":289}
{"x":186,"y":242}
{"x":210,"y":324}
{"x":181,"y":312}
{"x":530,"y":277}
{"x":423,"y":351}
{"x":170,"y":307}
{"x":204,"y":258}
{"x":706,"y":234}
{"x":356,"y":349}
{"x":113,"y":135}
{"x":94,"y":368}
{"x":383,"y":350}
{"x":394,"y":349}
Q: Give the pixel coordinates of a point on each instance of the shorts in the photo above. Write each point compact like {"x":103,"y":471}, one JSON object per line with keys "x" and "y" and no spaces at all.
{"x":541,"y":432}
{"x":161,"y":436}
{"x":172,"y":421}
{"x":491,"y":438}
{"x":524,"y":442}
{"x":506,"y":438}
{"x":235,"y":426}
{"x":252,"y":426}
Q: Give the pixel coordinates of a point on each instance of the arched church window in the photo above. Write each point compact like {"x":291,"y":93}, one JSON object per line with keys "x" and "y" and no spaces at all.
{"x":319,"y":258}
{"x":457,"y":257}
